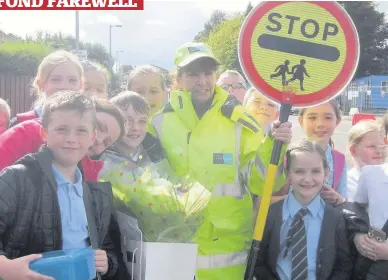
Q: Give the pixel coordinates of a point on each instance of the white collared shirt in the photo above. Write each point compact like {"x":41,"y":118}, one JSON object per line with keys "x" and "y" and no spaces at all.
{"x":373,"y":190}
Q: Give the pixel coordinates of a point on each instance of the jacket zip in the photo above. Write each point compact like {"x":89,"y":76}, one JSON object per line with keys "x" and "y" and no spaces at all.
{"x":60,"y":225}
{"x":90,"y":239}
{"x":188,"y":137}
{"x":58,"y":215}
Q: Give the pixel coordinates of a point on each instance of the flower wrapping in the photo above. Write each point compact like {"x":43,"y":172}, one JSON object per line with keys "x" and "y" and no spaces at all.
{"x":166,"y":211}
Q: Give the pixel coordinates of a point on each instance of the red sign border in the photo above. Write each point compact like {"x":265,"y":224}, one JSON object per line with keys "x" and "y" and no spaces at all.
{"x":323,"y":95}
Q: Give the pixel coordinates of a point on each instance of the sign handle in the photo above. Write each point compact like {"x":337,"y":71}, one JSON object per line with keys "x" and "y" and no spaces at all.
{"x":285,"y":110}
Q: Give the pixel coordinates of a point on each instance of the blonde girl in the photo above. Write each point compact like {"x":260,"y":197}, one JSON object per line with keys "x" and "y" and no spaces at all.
{"x":149,"y":82}
{"x":5,"y":114}
{"x":96,"y":79}
{"x":60,"y":70}
{"x":367,"y":146}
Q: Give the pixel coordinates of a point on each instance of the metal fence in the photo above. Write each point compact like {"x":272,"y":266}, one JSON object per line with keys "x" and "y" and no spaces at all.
{"x":374,"y":98}
{"x":16,"y":90}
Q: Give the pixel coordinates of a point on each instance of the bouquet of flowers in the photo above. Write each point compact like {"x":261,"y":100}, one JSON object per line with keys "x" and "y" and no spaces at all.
{"x":166,"y":211}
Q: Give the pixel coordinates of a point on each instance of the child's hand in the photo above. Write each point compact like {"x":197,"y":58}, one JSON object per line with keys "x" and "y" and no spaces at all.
{"x":363,"y":246}
{"x":330,"y":196}
{"x":281,"y":131}
{"x":18,"y":269}
{"x":101,"y":260}
{"x":379,"y":250}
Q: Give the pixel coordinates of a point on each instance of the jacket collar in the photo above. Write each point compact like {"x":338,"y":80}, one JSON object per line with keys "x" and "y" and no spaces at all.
{"x":141,"y":161}
{"x":182,"y":105}
{"x":45,"y":158}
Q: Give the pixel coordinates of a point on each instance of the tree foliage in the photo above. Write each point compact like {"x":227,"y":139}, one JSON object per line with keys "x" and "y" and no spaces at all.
{"x":23,"y":56}
{"x":224,"y":41}
{"x":248,"y":9}
{"x":215,"y":20}
{"x":96,"y":52}
{"x":373,"y":33}
{"x":370,"y":24}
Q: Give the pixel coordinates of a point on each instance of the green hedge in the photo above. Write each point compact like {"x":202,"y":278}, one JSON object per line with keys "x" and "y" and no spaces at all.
{"x":22,"y":58}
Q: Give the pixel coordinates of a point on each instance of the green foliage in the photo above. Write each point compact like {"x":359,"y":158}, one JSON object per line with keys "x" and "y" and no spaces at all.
{"x":22,"y":58}
{"x":373,"y":32}
{"x":372,"y":29}
{"x":248,"y":9}
{"x":224,"y":41}
{"x":215,"y":20}
{"x":97,"y":52}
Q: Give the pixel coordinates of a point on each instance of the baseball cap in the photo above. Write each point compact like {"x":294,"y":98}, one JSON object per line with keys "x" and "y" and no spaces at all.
{"x":193,"y":51}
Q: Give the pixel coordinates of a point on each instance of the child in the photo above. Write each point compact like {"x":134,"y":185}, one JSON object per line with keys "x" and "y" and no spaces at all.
{"x":319,"y":123}
{"x":129,"y":148}
{"x":234,"y":83}
{"x":262,"y":109}
{"x":132,"y":153}
{"x":44,"y":203}
{"x":60,"y":70}
{"x":367,"y":147}
{"x":137,"y":147}
{"x":371,"y":193}
{"x":25,"y":138}
{"x":149,"y":82}
{"x":304,"y":236}
{"x":5,"y":114}
{"x":96,"y":79}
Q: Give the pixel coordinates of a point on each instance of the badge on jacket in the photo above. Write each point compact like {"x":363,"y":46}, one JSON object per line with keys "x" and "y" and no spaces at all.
{"x":222,"y":158}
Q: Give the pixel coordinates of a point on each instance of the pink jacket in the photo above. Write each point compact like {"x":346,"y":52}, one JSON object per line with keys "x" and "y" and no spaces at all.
{"x":24,"y":138}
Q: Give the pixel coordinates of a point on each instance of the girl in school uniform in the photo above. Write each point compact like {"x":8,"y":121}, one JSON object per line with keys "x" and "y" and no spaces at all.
{"x":319,"y":123}
{"x":304,"y":237}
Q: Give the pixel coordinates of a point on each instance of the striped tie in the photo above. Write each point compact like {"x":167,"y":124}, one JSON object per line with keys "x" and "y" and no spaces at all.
{"x":297,"y":241}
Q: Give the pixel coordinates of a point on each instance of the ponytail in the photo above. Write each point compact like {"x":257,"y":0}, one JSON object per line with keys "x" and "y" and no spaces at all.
{"x":331,"y":143}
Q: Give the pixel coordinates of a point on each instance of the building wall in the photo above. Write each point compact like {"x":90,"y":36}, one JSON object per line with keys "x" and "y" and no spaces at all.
{"x":380,"y":92}
{"x":367,"y":93}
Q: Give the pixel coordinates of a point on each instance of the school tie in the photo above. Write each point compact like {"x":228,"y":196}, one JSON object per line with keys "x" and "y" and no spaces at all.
{"x":297,"y":242}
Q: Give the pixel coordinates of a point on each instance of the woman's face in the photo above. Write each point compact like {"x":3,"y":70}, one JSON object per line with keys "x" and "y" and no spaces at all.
{"x":108,"y":132}
{"x":199,"y":79}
